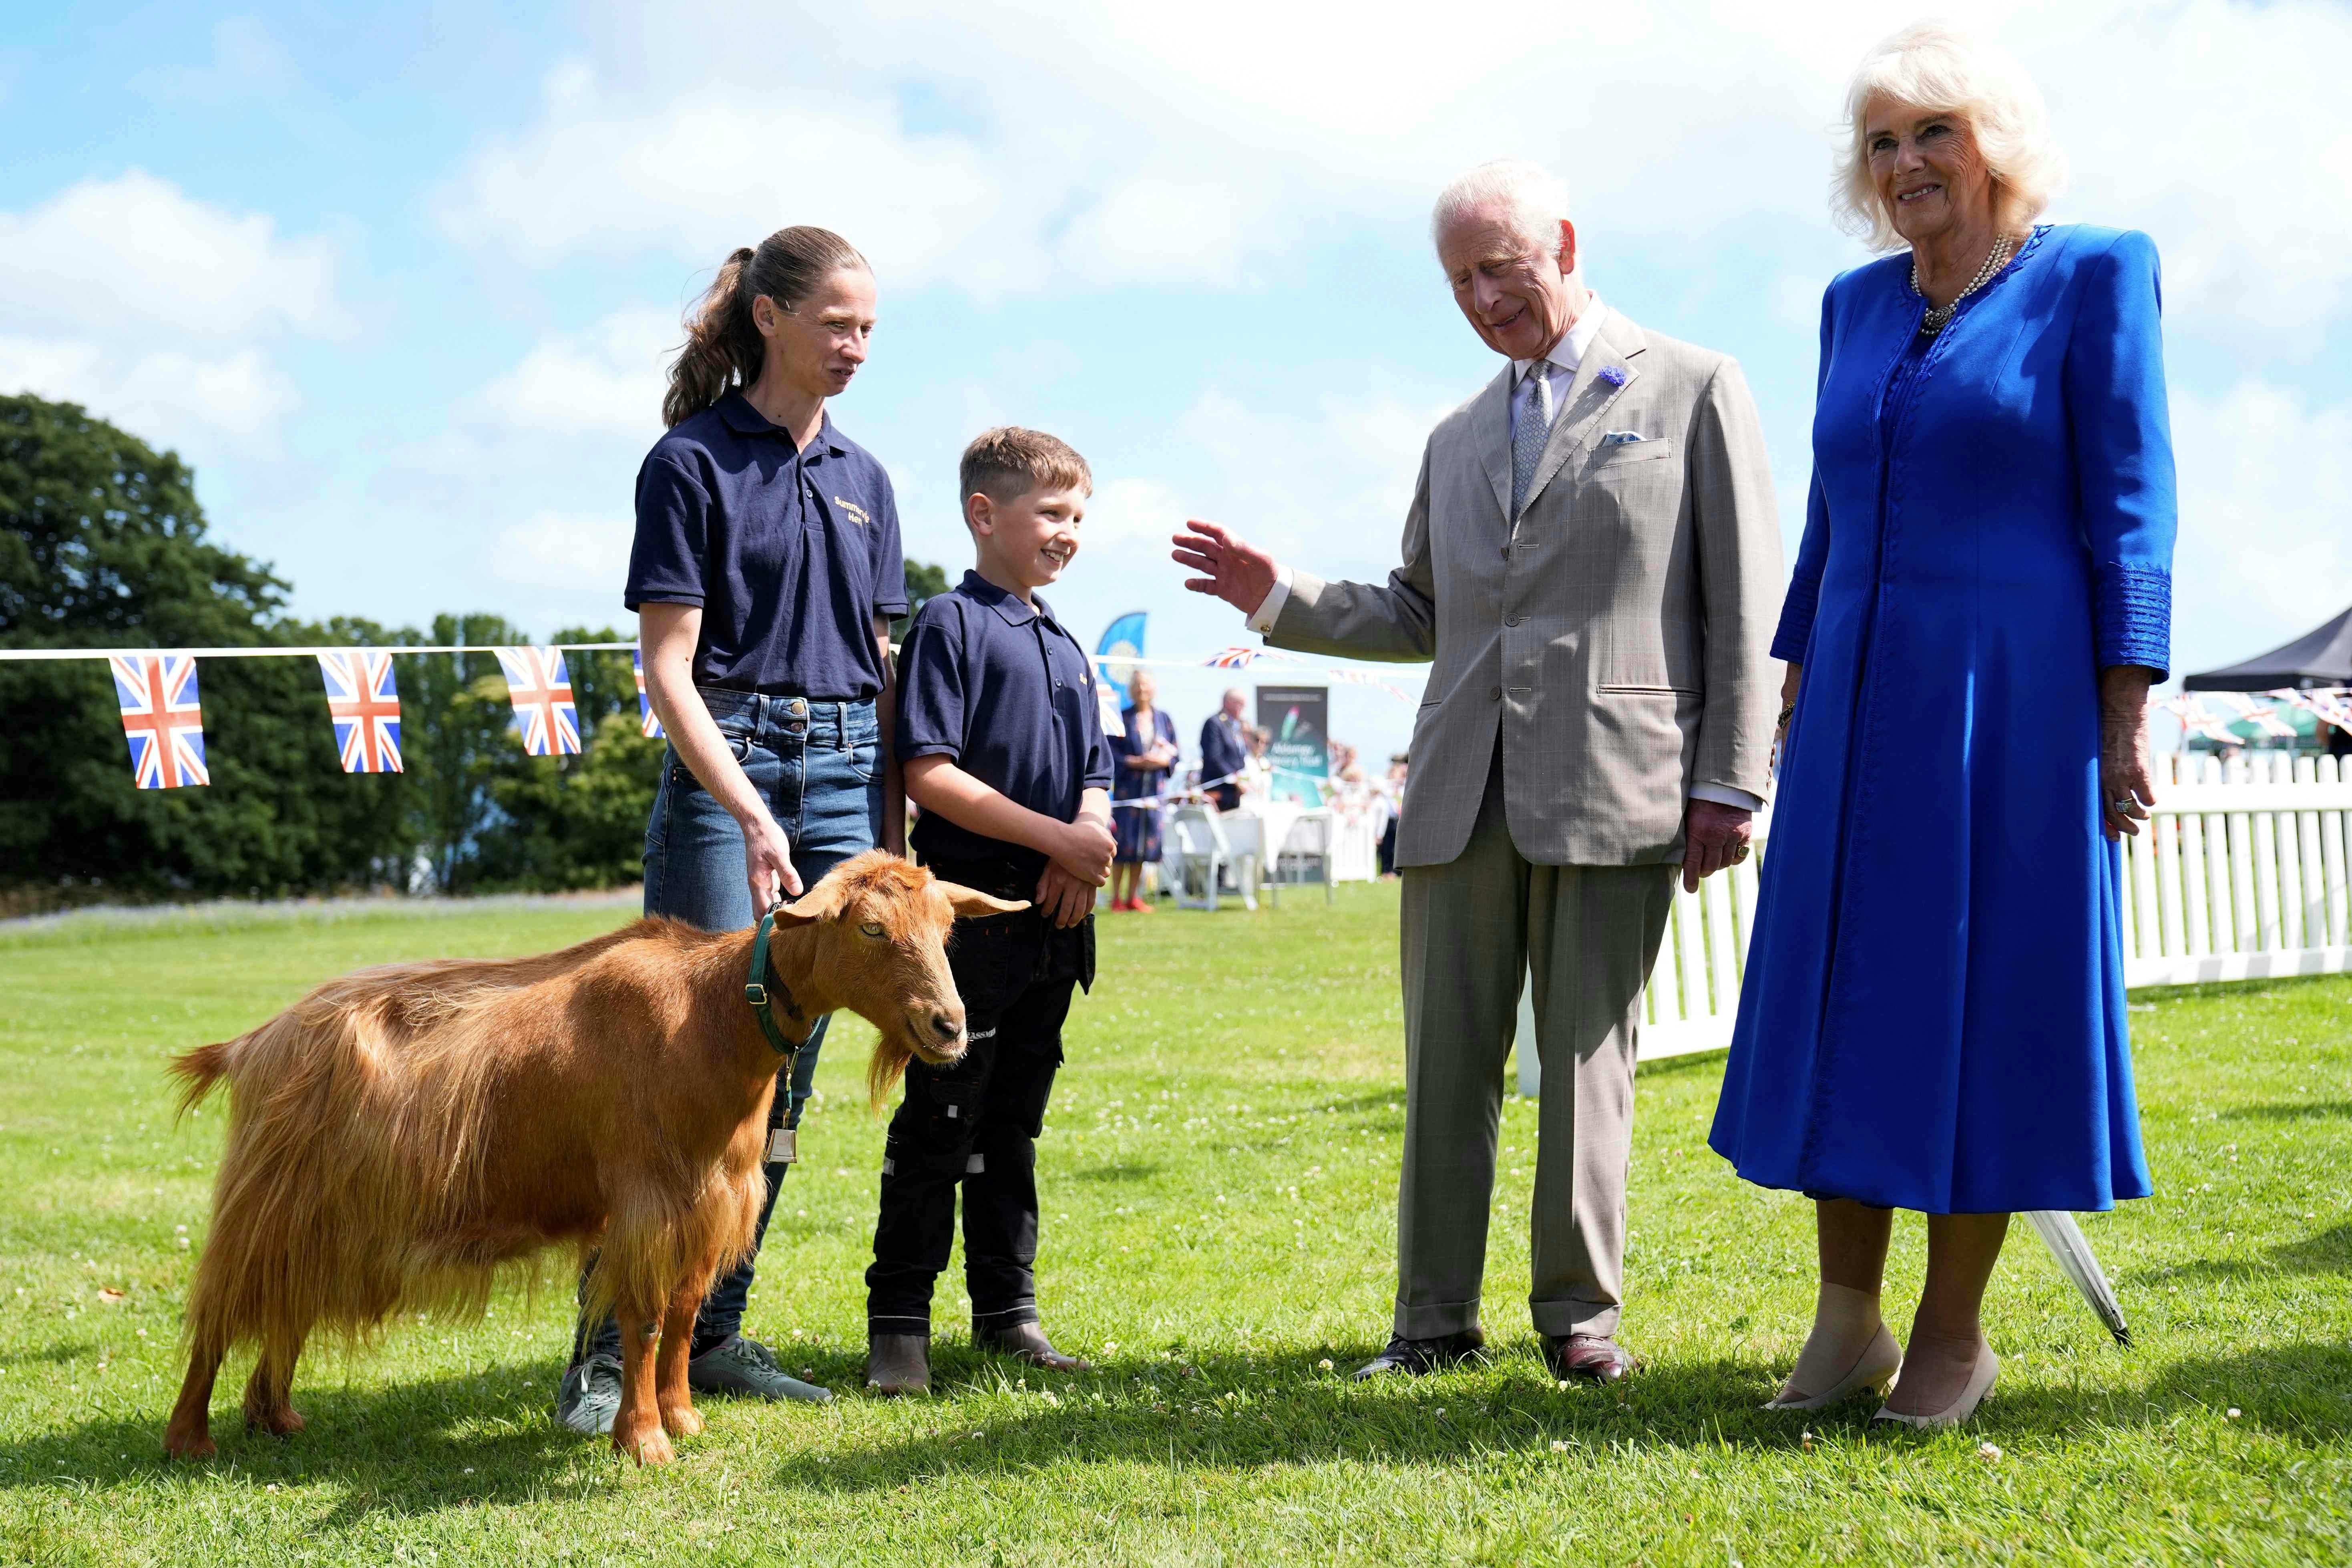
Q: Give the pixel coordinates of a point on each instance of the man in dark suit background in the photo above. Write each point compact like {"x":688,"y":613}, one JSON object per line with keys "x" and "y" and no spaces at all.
{"x":1223,"y":749}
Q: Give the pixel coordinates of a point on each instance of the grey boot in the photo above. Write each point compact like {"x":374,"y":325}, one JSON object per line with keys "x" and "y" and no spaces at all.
{"x":899,"y":1363}
{"x":1027,"y":1341}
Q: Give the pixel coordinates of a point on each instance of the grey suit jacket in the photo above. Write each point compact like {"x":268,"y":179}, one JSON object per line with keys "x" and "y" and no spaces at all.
{"x":1617,"y":634}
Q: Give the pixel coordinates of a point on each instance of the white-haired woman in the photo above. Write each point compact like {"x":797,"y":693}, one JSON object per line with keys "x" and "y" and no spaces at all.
{"x":1934,"y":1014}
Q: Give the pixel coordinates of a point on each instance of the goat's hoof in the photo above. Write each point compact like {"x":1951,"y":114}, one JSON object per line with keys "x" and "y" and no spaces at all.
{"x":682,"y":1421}
{"x":196,"y":1445}
{"x":282,"y":1422}
{"x":652,"y":1449}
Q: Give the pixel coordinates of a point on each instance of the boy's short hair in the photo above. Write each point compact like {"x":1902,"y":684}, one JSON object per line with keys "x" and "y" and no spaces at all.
{"x":1008,"y":462}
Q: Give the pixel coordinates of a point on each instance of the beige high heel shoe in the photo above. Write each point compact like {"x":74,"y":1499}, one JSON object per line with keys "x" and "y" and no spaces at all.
{"x":1880,"y":1360}
{"x":1986,"y":1368}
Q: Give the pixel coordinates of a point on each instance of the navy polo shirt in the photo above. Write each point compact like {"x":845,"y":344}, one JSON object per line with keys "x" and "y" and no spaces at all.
{"x":790,"y":553}
{"x":1002,"y":690}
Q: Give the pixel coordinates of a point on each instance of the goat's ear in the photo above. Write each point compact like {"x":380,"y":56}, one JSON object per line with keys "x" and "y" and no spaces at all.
{"x":969,"y":903}
{"x":820,"y":902}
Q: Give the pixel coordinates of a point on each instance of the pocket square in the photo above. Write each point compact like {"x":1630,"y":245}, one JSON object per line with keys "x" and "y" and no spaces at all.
{"x":1621,"y":437}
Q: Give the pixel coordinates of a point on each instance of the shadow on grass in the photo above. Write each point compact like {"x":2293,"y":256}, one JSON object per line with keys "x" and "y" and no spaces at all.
{"x":1143,"y":1170}
{"x":2328,"y":1252}
{"x":1242,"y":1412}
{"x":486,"y":1438}
{"x":413,"y":1448}
{"x":2293,"y":1110}
{"x":1235,"y":1413}
{"x":2306,"y":1389}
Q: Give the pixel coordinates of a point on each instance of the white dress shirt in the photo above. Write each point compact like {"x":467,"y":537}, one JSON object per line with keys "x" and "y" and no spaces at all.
{"x":1559,"y":368}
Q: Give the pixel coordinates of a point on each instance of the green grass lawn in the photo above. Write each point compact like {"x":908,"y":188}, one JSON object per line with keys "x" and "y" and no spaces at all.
{"x":1219,"y":1175}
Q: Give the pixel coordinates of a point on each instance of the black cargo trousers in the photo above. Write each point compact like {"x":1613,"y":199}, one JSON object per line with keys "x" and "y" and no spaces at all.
{"x":976,"y":1123}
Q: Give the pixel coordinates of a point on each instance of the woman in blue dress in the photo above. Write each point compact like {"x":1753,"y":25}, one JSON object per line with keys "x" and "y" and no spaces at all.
{"x":1144,"y":750}
{"x":1934,"y":1014}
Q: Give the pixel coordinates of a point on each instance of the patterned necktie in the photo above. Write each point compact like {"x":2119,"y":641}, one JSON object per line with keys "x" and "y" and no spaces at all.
{"x":1529,"y":431}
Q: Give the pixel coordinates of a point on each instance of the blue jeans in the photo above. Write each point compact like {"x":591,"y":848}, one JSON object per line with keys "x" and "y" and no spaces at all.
{"x":818,"y":765}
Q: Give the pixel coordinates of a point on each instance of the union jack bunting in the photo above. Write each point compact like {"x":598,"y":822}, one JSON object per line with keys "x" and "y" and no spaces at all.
{"x":2326,"y":704}
{"x":162,"y":718}
{"x":2198,"y":721}
{"x":365,"y":707}
{"x":540,"y":690}
{"x":2263,"y":716}
{"x":649,"y":725}
{"x":1357,"y":677}
{"x":1236,"y":658}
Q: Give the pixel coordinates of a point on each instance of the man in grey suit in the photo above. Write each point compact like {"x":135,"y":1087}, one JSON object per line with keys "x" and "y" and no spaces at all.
{"x":1592,"y":561}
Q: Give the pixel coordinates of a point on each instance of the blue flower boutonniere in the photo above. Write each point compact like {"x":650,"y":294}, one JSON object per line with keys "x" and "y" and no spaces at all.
{"x":1611,"y":375}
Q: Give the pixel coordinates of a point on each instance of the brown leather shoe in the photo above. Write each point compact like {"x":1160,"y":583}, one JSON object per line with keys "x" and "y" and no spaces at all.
{"x":1418,"y":1358}
{"x":1594,"y":1357}
{"x":899,"y":1363}
{"x":1027,"y":1341}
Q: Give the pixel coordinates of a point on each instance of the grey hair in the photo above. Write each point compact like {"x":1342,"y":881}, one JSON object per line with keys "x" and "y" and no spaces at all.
{"x":1929,"y":66}
{"x":1533,"y":198}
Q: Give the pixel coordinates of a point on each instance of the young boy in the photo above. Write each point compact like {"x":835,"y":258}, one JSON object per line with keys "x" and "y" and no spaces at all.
{"x":1001,"y":745}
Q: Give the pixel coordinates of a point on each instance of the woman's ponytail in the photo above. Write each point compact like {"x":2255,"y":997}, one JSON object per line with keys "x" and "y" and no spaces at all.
{"x":723,"y":347}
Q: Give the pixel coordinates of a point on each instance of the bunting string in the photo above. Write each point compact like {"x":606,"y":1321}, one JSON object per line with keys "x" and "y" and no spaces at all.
{"x":164,"y":726}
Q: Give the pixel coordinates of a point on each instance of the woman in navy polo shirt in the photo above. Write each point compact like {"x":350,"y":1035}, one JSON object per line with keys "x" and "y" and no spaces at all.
{"x":765,"y":573}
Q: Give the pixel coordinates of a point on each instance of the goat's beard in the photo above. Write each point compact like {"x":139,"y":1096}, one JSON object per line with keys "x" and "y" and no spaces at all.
{"x":886,"y":1066}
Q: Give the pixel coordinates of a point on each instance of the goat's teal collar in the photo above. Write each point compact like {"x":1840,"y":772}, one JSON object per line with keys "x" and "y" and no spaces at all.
{"x":762,"y":988}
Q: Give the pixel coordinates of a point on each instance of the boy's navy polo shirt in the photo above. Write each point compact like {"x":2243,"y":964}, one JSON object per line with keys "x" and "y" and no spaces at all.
{"x":1002,"y":690}
{"x":790,"y":553}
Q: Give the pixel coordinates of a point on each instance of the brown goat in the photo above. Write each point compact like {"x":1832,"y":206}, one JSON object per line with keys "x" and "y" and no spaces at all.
{"x":399,"y":1134}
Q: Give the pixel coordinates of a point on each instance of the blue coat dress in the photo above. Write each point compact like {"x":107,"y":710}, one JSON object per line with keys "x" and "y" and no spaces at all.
{"x":1933,"y":1016}
{"x":1136,"y":828}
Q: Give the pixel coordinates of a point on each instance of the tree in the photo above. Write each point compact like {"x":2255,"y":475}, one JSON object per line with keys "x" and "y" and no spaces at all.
{"x":924,"y":582}
{"x":102,"y":544}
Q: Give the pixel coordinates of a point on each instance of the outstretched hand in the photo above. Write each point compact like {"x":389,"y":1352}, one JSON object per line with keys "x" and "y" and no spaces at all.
{"x":1238,"y":572}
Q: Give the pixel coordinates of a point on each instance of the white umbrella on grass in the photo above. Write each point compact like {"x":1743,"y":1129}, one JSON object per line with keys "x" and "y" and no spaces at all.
{"x":2064,"y":1238}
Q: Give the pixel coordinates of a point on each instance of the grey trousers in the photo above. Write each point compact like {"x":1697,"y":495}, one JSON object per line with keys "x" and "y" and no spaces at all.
{"x":1472,"y":930}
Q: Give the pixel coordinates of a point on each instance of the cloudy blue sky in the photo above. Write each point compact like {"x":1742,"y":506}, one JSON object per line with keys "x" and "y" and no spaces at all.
{"x":399,"y":281}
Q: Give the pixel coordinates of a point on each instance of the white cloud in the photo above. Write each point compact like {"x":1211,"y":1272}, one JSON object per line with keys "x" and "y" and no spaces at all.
{"x":1159,"y":230}
{"x":1110,"y":144}
{"x":605,"y":382}
{"x":134,"y":254}
{"x":721,"y":166}
{"x":168,"y":398}
{"x":2265,"y":548}
{"x":155,"y":311}
{"x":553,"y":552}
{"x":1128,"y":508}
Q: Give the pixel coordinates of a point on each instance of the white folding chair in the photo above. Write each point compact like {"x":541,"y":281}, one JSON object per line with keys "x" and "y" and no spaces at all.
{"x":1199,"y":854}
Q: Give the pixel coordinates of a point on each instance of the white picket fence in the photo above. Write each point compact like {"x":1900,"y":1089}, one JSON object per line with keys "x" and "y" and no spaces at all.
{"x":2239,"y":876}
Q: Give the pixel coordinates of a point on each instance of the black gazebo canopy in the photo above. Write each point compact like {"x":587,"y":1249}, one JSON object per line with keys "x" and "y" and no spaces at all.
{"x":2321,"y":657}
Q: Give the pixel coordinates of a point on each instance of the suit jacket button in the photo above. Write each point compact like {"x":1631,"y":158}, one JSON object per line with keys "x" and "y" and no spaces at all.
{"x":1512,"y":620}
{"x":1494,"y":694}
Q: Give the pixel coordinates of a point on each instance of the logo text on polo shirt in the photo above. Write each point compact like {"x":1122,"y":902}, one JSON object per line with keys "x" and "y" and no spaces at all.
{"x":857,"y":514}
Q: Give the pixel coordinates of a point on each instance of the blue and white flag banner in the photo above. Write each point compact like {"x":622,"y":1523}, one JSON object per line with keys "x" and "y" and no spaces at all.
{"x":162,"y":719}
{"x":648,"y":725}
{"x":363,"y":704}
{"x":541,"y":689}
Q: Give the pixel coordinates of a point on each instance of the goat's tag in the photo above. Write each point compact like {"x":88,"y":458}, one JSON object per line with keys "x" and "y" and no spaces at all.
{"x":784,"y":1146}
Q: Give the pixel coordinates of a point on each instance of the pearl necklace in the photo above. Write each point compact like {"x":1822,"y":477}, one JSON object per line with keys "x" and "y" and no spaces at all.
{"x":1938,"y":317}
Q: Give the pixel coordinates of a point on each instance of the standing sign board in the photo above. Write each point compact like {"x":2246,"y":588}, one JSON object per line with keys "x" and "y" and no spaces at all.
{"x":1298,"y":719}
